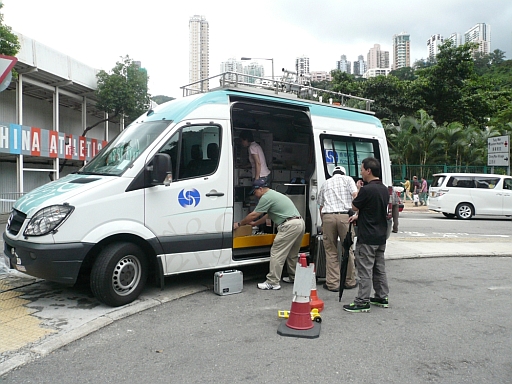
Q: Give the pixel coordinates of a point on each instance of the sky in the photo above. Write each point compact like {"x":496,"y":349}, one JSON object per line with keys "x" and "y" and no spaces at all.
{"x":99,"y":32}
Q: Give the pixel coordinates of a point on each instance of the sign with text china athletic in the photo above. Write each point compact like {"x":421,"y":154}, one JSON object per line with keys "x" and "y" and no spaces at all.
{"x":31,"y":141}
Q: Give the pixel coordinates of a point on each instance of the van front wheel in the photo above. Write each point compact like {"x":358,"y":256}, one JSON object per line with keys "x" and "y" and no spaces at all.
{"x":464,"y":211}
{"x":119,"y":274}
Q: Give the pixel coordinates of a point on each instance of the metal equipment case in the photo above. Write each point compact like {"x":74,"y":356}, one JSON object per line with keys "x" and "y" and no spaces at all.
{"x":228,"y":282}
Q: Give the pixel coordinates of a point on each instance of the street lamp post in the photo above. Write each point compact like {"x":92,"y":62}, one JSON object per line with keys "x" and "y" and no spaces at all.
{"x":262,"y":58}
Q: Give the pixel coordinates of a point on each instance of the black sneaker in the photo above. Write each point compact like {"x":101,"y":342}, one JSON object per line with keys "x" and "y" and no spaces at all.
{"x":379,"y":302}
{"x":354,"y":307}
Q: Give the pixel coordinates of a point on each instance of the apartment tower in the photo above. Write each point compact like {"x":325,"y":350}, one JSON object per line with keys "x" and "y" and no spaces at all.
{"x":433,"y":45}
{"x":198,"y":52}
{"x":302,"y":69}
{"x":359,"y":66}
{"x":377,"y":58}
{"x":344,"y":65}
{"x":480,"y":34}
{"x":401,"y":51}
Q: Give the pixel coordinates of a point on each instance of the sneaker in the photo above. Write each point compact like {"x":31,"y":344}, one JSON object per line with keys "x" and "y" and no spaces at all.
{"x":288,"y":280}
{"x":266,"y":285}
{"x":354,"y":307}
{"x":379,"y":302}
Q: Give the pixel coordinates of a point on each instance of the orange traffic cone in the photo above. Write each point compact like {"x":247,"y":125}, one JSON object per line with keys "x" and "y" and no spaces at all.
{"x":299,"y":323}
{"x":315,"y":302}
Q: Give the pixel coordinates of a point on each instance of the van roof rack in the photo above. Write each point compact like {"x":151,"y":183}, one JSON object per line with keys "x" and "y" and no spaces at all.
{"x":282,"y":87}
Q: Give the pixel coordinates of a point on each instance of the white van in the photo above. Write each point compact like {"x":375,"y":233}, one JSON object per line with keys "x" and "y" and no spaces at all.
{"x":161,"y":197}
{"x":464,"y":195}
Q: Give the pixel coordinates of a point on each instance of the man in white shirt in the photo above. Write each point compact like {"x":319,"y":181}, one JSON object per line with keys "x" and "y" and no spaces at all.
{"x":335,"y":200}
{"x":256,"y":156}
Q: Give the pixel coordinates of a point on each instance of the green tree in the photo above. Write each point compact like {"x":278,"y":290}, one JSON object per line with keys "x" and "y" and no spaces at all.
{"x":122,"y":92}
{"x":405,"y":73}
{"x":393,"y":97}
{"x":497,"y":57}
{"x":424,"y":132}
{"x":9,"y":43}
{"x":443,"y":83}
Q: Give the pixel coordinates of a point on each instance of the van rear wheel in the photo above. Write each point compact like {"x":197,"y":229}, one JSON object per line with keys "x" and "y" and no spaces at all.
{"x":119,"y":274}
{"x":464,"y":211}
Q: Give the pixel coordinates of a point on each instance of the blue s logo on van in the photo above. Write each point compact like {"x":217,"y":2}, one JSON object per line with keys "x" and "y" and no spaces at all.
{"x":330,"y":156}
{"x":189,"y":198}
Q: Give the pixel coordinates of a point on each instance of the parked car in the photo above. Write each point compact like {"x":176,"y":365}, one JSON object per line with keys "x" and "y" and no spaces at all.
{"x":464,"y":195}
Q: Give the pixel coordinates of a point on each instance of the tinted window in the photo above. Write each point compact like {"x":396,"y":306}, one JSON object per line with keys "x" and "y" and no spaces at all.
{"x":461,"y":182}
{"x":438,"y":181}
{"x":507,"y":184}
{"x":194,"y":151}
{"x":486,"y":182}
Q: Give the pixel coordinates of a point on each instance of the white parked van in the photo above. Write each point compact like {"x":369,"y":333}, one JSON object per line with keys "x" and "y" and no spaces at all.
{"x":161,"y":197}
{"x":463,"y":195}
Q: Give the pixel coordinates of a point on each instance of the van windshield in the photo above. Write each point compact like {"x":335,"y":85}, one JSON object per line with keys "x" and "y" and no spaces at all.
{"x":121,"y":152}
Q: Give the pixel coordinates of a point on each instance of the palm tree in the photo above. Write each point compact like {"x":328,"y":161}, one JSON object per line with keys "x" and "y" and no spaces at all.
{"x":424,"y":133}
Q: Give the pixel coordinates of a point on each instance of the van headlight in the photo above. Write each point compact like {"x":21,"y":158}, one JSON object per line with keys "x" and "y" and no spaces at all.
{"x":47,"y":220}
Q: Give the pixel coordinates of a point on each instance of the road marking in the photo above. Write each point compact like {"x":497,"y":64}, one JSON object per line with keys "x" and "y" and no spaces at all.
{"x":498,"y":288}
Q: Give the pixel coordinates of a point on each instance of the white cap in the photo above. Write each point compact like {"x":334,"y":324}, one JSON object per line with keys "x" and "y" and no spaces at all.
{"x":339,"y":168}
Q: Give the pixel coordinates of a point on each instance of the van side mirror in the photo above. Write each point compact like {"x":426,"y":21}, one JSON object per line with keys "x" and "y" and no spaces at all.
{"x":161,"y":169}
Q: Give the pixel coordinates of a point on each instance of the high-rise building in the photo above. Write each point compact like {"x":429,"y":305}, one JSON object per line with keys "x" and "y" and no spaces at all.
{"x":199,"y":56}
{"x":232,"y":65}
{"x":253,"y":69}
{"x":401,"y":51}
{"x":456,"y":39}
{"x":480,"y":34}
{"x":359,"y":66}
{"x":302,"y":69}
{"x":433,"y":45}
{"x":344,"y":65}
{"x":377,"y":58}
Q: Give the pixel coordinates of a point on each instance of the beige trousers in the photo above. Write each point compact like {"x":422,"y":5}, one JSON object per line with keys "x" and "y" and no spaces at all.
{"x":334,"y":227}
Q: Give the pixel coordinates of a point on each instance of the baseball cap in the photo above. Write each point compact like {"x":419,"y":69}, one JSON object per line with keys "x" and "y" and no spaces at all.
{"x":258,"y":183}
{"x":339,"y":168}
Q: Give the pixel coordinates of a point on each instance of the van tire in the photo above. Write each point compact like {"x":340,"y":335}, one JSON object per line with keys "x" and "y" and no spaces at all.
{"x":119,"y":274}
{"x":464,"y":211}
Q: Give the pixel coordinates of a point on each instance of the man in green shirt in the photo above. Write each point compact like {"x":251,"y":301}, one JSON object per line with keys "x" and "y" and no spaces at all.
{"x":281,"y":210}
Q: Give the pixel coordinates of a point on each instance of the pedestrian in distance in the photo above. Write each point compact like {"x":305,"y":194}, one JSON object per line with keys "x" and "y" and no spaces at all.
{"x":423,"y":191}
{"x":256,"y":156}
{"x":371,"y":206}
{"x":407,"y":189}
{"x":290,"y":225}
{"x":416,"y":188}
{"x":395,"y":207}
{"x":335,"y":200}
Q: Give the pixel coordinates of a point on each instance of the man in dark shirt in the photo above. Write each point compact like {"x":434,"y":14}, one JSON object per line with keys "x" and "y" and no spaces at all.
{"x":371,"y":205}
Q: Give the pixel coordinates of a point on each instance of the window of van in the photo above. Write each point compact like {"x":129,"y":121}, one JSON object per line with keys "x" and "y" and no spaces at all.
{"x":438,"y":181}
{"x":507,"y":184}
{"x":461,"y":182}
{"x":121,"y":152}
{"x":348,"y":152}
{"x":486,"y":182}
{"x":194,"y":151}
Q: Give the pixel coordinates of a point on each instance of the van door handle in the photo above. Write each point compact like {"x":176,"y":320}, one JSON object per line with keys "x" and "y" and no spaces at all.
{"x":214,"y":194}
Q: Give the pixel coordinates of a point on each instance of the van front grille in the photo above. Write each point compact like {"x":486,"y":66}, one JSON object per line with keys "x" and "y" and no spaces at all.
{"x":15,"y":222}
